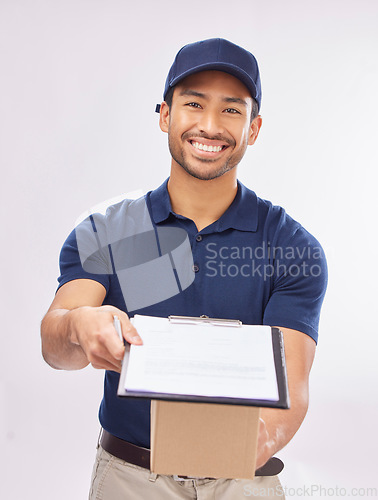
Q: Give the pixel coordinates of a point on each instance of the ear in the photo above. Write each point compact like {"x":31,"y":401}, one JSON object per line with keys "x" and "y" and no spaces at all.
{"x":164,"y":117}
{"x":254,"y":130}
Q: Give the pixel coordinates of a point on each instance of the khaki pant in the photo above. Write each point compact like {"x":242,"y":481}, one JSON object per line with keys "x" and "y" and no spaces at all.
{"x":115,"y":479}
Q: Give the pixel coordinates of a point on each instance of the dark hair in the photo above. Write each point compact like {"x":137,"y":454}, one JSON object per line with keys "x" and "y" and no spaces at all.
{"x":255,"y":106}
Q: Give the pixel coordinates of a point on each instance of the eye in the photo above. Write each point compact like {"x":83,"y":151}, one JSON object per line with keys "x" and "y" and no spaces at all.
{"x":193,"y":105}
{"x":232,"y":111}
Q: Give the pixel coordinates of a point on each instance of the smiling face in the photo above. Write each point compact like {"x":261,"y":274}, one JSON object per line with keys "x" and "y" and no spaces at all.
{"x":208,"y":124}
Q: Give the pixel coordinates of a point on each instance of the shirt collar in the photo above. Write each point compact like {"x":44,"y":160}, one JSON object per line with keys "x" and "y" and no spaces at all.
{"x":160,"y":203}
{"x":241,"y":214}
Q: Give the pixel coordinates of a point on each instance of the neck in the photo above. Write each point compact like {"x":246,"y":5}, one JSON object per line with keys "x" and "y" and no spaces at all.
{"x":203,"y":202}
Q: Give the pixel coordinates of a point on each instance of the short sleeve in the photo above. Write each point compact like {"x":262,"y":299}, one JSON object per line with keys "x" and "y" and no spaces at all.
{"x":299,"y":283}
{"x":84,"y":257}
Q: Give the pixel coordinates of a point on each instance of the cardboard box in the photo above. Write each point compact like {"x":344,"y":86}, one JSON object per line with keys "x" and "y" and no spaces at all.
{"x":204,"y":440}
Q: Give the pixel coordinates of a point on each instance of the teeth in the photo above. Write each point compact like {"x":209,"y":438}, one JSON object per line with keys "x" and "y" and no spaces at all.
{"x":204,"y":147}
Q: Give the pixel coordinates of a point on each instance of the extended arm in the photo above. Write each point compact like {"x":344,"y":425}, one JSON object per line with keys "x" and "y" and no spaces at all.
{"x":78,"y":330}
{"x":277,"y":427}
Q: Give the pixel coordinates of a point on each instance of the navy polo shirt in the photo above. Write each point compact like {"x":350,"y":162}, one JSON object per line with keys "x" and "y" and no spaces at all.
{"x":255,"y":264}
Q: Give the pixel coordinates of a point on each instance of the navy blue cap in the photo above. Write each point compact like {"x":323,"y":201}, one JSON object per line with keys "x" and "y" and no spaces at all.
{"x":216,"y":54}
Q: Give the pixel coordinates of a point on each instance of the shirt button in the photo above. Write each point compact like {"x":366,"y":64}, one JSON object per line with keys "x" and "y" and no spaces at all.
{"x":195,"y":268}
{"x":199,"y":237}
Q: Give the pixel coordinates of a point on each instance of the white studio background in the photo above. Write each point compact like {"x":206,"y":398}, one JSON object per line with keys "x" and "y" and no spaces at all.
{"x":78,"y":86}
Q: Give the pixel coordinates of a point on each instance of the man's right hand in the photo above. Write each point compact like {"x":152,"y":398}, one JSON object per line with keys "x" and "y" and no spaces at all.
{"x":92,"y":328}
{"x":78,"y":329}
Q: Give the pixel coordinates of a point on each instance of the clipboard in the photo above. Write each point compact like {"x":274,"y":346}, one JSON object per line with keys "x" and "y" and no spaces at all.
{"x":283,"y":401}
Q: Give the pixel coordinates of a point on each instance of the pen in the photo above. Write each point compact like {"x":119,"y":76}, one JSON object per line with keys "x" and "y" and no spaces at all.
{"x":117,"y":326}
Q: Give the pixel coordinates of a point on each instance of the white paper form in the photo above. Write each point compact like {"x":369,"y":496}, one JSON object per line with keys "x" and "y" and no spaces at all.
{"x":202,"y":360}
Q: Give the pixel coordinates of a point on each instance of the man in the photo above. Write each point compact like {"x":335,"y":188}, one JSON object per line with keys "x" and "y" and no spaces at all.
{"x":249,"y":261}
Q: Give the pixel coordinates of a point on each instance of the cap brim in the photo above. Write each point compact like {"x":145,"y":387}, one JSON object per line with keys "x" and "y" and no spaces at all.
{"x":227,"y":68}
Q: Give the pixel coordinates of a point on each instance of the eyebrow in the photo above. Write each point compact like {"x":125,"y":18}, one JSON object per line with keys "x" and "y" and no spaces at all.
{"x":194,"y":93}
{"x":236,"y":100}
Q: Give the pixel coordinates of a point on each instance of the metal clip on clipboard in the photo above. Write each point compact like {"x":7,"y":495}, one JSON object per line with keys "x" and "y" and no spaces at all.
{"x":193,"y":320}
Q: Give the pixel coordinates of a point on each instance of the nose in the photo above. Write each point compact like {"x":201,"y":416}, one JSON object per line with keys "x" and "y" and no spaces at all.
{"x":210,"y":123}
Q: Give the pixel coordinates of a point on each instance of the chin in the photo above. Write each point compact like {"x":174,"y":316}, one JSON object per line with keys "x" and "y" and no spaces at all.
{"x":204,"y":175}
